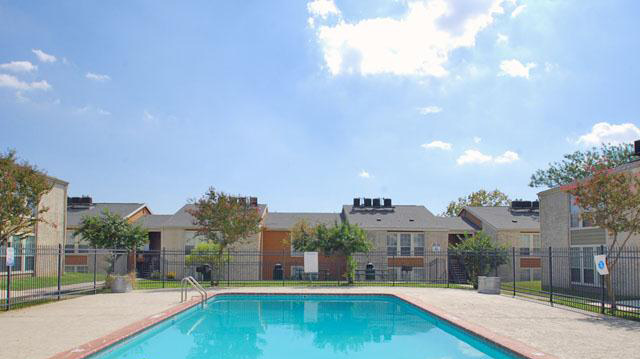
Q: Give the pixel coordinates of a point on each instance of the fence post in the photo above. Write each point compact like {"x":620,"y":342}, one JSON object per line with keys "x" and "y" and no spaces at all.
{"x":495,"y":262}
{"x":8,"y":280}
{"x":164,"y":265}
{"x":283,"y":267}
{"x":59,"y":269}
{"x":550,"y":276}
{"x":448,"y":264}
{"x":513,"y":265}
{"x":95,"y":270}
{"x":228,"y":265}
{"x":602,"y":289}
{"x":393,"y":278}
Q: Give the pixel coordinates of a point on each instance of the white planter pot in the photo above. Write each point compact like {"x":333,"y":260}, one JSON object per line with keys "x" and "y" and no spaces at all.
{"x":489,"y":285}
{"x":121,"y":284}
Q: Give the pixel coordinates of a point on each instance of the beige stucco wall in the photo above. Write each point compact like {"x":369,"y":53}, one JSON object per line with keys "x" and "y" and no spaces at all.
{"x":52,"y":233}
{"x":554,"y":219}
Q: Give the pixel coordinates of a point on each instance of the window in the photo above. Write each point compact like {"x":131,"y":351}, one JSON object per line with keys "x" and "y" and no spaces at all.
{"x":405,"y":244}
{"x":582,"y":265}
{"x":392,"y":244}
{"x":410,"y":244}
{"x":530,"y":244}
{"x":295,"y":253}
{"x":24,"y":254}
{"x":576,"y":212}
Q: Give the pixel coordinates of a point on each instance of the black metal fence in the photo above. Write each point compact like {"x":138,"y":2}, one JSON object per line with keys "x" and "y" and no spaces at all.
{"x":565,"y":276}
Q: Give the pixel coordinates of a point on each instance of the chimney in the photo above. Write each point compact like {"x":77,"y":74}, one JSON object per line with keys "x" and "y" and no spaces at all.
{"x":356,"y":202}
{"x":367,"y":202}
{"x":387,"y":203}
{"x":376,"y":203}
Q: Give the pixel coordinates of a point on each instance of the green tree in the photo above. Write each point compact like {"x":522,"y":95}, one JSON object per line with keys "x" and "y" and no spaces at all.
{"x":610,"y":199}
{"x":479,"y":254}
{"x":223,"y":219}
{"x":575,"y":165}
{"x":481,"y":198}
{"x":110,"y":230}
{"x":21,"y":188}
{"x":209,"y":253}
{"x":342,"y":238}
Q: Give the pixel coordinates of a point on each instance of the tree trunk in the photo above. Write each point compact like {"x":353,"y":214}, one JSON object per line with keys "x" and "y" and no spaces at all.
{"x":611,"y":291}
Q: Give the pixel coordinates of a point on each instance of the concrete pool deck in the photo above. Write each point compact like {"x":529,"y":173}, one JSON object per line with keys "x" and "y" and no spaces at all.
{"x":42,"y":331}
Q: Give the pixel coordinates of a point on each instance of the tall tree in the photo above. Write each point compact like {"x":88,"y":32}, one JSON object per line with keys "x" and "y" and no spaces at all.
{"x":610,"y":199}
{"x":21,"y":189}
{"x":481,"y":198}
{"x":342,"y":238}
{"x":224,"y":220}
{"x":576,"y":165}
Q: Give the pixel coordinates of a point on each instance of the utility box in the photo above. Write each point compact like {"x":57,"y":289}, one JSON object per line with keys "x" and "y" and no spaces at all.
{"x":489,"y":285}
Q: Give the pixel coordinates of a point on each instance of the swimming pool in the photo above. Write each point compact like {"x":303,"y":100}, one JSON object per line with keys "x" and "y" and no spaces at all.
{"x":303,"y":326}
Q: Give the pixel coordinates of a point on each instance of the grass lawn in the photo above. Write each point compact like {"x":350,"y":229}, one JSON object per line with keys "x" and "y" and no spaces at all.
{"x":25,"y":283}
{"x":156,"y":284}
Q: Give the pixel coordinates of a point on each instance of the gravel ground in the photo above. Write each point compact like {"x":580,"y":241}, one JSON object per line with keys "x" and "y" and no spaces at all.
{"x":41,"y":331}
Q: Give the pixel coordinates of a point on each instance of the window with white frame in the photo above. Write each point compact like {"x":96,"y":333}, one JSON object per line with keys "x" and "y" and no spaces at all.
{"x":296,"y":253}
{"x":529,"y":244}
{"x":405,"y":244}
{"x":576,"y":215}
{"x":583,"y":270}
{"x":24,"y":255}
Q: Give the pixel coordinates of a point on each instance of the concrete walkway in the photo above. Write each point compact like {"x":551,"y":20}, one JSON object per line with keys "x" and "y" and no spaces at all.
{"x":41,"y":331}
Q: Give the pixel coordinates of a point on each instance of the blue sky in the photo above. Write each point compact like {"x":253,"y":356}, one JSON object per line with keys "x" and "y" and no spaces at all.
{"x":308,"y":104}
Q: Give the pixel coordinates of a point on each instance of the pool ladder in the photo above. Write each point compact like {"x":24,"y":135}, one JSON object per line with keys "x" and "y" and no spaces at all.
{"x":194,"y":283}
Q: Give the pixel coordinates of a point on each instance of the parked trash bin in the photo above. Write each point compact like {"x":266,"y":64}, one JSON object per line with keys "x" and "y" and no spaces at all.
{"x":370,"y":272}
{"x":205,"y":270}
{"x":278,"y":272}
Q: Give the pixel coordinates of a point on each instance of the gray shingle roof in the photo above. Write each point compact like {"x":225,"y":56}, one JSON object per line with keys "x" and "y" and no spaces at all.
{"x":286,"y":220}
{"x":503,"y":218}
{"x":182,"y":218}
{"x":400,"y":217}
{"x":456,"y":224}
{"x":153,"y":220}
{"x":75,"y":215}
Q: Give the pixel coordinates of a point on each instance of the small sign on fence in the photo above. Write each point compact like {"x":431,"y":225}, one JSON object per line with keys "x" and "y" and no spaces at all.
{"x":311,"y":262}
{"x":10,"y":257}
{"x":601,"y":264}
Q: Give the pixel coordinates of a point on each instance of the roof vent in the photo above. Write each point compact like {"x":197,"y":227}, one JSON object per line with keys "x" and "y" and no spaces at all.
{"x":411,"y":220}
{"x":379,"y":219}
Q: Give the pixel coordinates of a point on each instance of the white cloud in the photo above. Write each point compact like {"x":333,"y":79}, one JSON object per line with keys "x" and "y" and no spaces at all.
{"x":473,"y":156}
{"x":429,"y":110}
{"x":415,"y":44}
{"x":549,"y":66}
{"x":518,"y":10}
{"x":97,"y":77}
{"x":502,"y":39}
{"x":477,"y":157}
{"x":515,"y":68}
{"x":604,"y":132}
{"x":364,"y":174}
{"x":15,"y":83}
{"x":43,"y":56}
{"x":440,"y":145}
{"x":507,"y":157}
{"x":476,"y":139}
{"x":323,"y":8}
{"x":92,"y":109}
{"x":19,"y":66}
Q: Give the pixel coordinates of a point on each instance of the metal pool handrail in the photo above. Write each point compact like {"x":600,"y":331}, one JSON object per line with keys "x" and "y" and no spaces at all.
{"x":194,"y":283}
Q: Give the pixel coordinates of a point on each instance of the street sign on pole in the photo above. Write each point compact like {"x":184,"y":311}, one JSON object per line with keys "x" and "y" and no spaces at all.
{"x":601,"y":264}
{"x":10,"y":257}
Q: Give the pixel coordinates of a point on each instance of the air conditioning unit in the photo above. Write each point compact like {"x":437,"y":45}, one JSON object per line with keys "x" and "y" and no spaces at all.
{"x":376,"y":203}
{"x":367,"y":202}
{"x":356,"y":202}
{"x":636,"y":147}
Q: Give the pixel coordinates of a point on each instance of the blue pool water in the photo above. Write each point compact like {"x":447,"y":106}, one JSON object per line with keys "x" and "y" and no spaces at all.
{"x":303,"y":327}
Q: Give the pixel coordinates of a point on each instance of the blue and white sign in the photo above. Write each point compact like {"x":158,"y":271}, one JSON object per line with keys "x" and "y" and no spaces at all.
{"x":601,"y":264}
{"x":11,"y":258}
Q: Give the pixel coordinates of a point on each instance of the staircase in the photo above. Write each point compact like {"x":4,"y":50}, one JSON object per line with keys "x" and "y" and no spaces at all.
{"x":457,"y":273}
